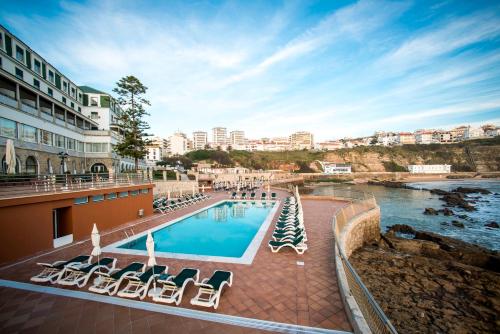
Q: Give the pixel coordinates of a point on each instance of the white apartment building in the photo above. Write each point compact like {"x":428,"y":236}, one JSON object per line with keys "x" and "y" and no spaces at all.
{"x":424,"y":137}
{"x":219,"y":137}
{"x":200,"y":140}
{"x":301,"y":140}
{"x":46,"y":114}
{"x":178,"y":144}
{"x":429,"y":169}
{"x":473,"y":133}
{"x":157,"y":150}
{"x":237,"y":140}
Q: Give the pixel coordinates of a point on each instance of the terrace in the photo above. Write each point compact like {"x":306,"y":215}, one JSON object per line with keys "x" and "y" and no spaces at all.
{"x":283,"y":291}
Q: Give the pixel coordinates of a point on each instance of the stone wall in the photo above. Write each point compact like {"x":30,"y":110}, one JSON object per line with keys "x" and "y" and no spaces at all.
{"x":360,"y":230}
{"x":163,"y":188}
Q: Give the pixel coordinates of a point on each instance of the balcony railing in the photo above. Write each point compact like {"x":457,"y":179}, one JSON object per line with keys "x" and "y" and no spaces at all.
{"x":13,"y":186}
{"x":29,"y":109}
{"x":8,"y":100}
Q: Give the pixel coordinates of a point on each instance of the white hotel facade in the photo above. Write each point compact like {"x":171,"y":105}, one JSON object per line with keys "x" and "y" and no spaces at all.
{"x":45,"y":113}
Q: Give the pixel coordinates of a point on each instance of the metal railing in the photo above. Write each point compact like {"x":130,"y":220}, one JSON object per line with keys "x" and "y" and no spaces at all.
{"x":374,"y":316}
{"x":19,"y":185}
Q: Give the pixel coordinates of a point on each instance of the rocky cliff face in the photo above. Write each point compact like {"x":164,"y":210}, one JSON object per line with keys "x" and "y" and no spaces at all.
{"x":382,"y":159}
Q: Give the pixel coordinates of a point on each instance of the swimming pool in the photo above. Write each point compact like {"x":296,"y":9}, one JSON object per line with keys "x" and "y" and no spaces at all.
{"x":228,"y":231}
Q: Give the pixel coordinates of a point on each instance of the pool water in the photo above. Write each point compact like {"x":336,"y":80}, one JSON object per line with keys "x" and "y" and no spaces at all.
{"x":226,"y":229}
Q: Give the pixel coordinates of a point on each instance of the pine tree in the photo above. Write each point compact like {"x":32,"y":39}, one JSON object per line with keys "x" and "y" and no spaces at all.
{"x":131,"y":91}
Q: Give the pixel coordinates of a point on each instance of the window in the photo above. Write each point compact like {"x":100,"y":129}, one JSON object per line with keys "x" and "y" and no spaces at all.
{"x":81,"y":146}
{"x":65,"y":86}
{"x":94,"y":115}
{"x":97,"y":198}
{"x":36,"y":83}
{"x":46,"y":137}
{"x":1,"y":41}
{"x":64,"y":100}
{"x":72,"y":105}
{"x":37,"y":67}
{"x":51,"y":76}
{"x":73,"y":91}
{"x":112,"y":196}
{"x":144,"y":191}
{"x":80,"y":97}
{"x":19,"y":54}
{"x":79,"y":109}
{"x":59,"y":141}
{"x":0,"y":61}
{"x":93,"y":101}
{"x":27,"y":133}
{"x":81,"y":200}
{"x":124,"y":194}
{"x":7,"y":128}
{"x":31,"y":165}
{"x":50,"y":92}
{"x":97,"y":147}
{"x":19,"y":73}
{"x":70,"y":144}
{"x":134,"y":193}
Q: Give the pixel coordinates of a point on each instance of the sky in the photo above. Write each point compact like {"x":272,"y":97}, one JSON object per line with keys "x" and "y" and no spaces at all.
{"x":335,"y":68}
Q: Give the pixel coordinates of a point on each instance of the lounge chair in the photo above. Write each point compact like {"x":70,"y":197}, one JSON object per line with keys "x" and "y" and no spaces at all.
{"x":234,"y":195}
{"x":243,"y":195}
{"x":110,"y":282}
{"x":274,"y":196}
{"x":79,"y":276}
{"x":297,"y":244}
{"x":138,"y":286}
{"x":252,"y":196}
{"x":292,"y":234}
{"x":263,"y":196}
{"x":211,"y":289}
{"x":173,"y":287}
{"x":52,"y":271}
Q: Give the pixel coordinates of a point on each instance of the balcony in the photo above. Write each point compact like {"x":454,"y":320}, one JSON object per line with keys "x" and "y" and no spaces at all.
{"x":10,"y":101}
{"x":28,"y":108}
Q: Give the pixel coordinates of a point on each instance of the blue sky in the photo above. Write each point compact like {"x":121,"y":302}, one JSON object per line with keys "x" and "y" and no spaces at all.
{"x":336,"y":68}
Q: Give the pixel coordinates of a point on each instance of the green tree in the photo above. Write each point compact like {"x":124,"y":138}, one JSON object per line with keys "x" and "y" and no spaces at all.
{"x":131,"y":97}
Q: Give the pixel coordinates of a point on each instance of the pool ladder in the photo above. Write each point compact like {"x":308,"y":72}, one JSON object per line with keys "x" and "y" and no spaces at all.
{"x":131,"y":231}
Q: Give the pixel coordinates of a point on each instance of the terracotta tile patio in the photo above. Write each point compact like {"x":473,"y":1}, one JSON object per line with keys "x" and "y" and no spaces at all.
{"x":274,"y":287}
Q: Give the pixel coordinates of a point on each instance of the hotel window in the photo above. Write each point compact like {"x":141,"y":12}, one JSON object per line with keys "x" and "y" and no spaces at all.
{"x":93,"y":101}
{"x":27,"y":133}
{"x":81,"y":200}
{"x":36,"y":83}
{"x":73,"y":92}
{"x":97,"y":198}
{"x":124,"y":194}
{"x":7,"y":128}
{"x":112,"y":196}
{"x":72,"y":105}
{"x":37,"y":67}
{"x":65,"y":86}
{"x":46,"y":137}
{"x":79,"y":109}
{"x":1,"y":41}
{"x":19,"y":54}
{"x":51,"y":76}
{"x":80,"y":97}
{"x":50,"y":92}
{"x":19,"y":73}
{"x":70,"y":144}
{"x":134,"y":193}
{"x":144,"y":191}
{"x":59,"y":141}
{"x":1,"y":62}
{"x":64,"y":100}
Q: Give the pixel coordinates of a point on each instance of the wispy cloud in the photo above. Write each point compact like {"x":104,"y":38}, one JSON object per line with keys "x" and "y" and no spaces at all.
{"x":271,"y":69}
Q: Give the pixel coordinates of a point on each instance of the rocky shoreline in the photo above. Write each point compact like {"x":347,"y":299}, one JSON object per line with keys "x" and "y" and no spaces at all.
{"x":427,"y":283}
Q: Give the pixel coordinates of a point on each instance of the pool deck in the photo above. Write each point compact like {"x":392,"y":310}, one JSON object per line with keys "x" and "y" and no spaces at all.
{"x":283,"y":292}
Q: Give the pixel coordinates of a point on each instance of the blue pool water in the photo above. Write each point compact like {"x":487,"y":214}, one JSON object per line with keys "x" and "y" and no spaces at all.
{"x":226,"y":230}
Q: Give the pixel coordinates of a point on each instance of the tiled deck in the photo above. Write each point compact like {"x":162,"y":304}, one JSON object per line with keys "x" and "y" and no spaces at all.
{"x":274,"y":287}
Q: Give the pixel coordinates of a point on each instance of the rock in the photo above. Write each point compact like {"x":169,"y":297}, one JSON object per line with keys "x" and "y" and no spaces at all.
{"x":465,"y":190}
{"x":438,"y":192}
{"x":463,"y":216}
{"x":492,"y":224}
{"x":458,"y":200}
{"x":430,"y":211}
{"x":401,"y":228}
{"x":457,"y":224}
{"x":446,"y":212}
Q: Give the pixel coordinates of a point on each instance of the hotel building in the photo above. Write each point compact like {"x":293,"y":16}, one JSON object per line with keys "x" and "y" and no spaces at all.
{"x":178,"y":144}
{"x":219,"y":137}
{"x":157,"y":150}
{"x":47,"y":114}
{"x":301,"y":140}
{"x":200,"y":140}
{"x":237,"y":140}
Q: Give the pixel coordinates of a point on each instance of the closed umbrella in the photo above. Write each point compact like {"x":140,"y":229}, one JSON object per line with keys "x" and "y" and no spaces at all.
{"x":10,"y":157}
{"x":51,"y":170}
{"x":96,"y":240}
{"x":193,"y":190}
{"x":150,"y":247}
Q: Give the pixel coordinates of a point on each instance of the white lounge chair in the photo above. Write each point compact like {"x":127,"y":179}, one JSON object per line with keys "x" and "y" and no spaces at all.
{"x":138,"y":286}
{"x":297,"y":244}
{"x":211,"y":289}
{"x":110,"y":282}
{"x":173,"y":287}
{"x":79,"y":276}
{"x":52,"y":271}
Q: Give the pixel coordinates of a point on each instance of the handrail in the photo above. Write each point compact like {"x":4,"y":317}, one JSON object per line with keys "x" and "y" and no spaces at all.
{"x":373,"y":315}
